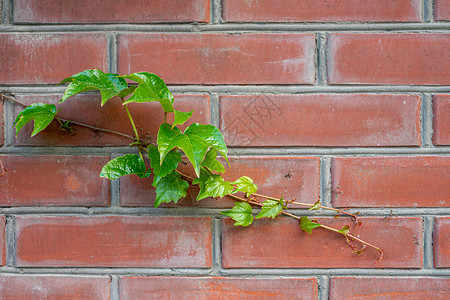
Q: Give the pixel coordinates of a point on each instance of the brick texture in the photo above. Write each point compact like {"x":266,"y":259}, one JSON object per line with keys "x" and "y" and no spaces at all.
{"x":86,"y":109}
{"x":2,"y":240}
{"x":442,"y":242}
{"x":411,"y":288}
{"x":276,"y":176}
{"x":115,"y":11}
{"x":321,"y":120}
{"x":220,"y":58}
{"x":442,"y":10}
{"x":217,"y":288}
{"x":54,"y":287}
{"x":49,"y":58}
{"x":380,"y":58}
{"x":321,"y":10}
{"x":2,"y":136}
{"x":280,"y":243}
{"x":114,"y":241}
{"x":391,"y":181}
{"x":441,"y":120}
{"x":54,"y":180}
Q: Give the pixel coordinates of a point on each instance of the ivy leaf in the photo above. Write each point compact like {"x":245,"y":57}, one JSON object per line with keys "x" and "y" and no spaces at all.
{"x":195,"y":142}
{"x":125,"y":165}
{"x":42,"y":114}
{"x":307,"y":225}
{"x":109,"y":84}
{"x":241,"y":213}
{"x":169,"y":164}
{"x":180,"y":117}
{"x":151,"y":88}
{"x":126,"y":92}
{"x":345,"y":230}
{"x":210,"y":161}
{"x":316,"y":205}
{"x":201,"y":181}
{"x":245,"y":184}
{"x":170,"y":188}
{"x":216,"y":186}
{"x":270,"y":209}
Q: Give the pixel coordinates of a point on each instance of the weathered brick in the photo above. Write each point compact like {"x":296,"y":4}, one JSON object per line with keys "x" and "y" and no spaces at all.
{"x":54,"y":180}
{"x":280,"y":243}
{"x":442,"y":242}
{"x":389,"y":288}
{"x":217,"y":288}
{"x":442,"y":10}
{"x":441,"y":119}
{"x":115,"y":11}
{"x":321,"y":10}
{"x":275,"y":176}
{"x":49,"y":58}
{"x":246,"y":58}
{"x":114,"y":241}
{"x":54,"y":287}
{"x":391,"y":181}
{"x":321,"y":120}
{"x":388,"y":58}
{"x":86,"y":109}
{"x":2,"y":240}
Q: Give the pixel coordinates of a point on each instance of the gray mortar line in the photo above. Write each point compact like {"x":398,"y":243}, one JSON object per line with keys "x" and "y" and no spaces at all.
{"x":9,"y":131}
{"x":428,"y":226}
{"x":216,"y":11}
{"x":10,"y":238}
{"x":325,"y":181}
{"x":321,"y":41}
{"x":427,"y":120}
{"x":215,"y":110}
{"x":216,"y":247}
{"x":114,"y":287}
{"x":7,"y":13}
{"x":427,"y":11}
{"x":111,"y":53}
{"x":323,"y":287}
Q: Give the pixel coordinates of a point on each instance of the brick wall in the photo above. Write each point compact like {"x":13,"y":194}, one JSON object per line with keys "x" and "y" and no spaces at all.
{"x":350,"y":98}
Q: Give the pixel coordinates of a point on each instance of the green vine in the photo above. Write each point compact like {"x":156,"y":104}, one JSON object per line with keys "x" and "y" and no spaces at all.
{"x":201,"y":144}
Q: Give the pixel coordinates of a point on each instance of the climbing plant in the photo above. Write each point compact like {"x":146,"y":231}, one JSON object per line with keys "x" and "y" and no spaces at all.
{"x":200,"y":144}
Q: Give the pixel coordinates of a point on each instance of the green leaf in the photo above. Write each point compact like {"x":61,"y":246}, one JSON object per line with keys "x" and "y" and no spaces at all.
{"x":126,"y":92}
{"x":151,"y":88}
{"x":270,"y":209}
{"x":169,"y":164}
{"x":216,"y":186}
{"x":316,"y":205}
{"x":109,"y":84}
{"x":307,"y":225}
{"x":42,"y":114}
{"x":245,"y":184}
{"x":210,"y":161}
{"x":345,"y":230}
{"x":125,"y":165}
{"x":241,"y":213}
{"x":170,"y":188}
{"x":181,"y":117}
{"x":195,"y":142}
{"x":201,"y":181}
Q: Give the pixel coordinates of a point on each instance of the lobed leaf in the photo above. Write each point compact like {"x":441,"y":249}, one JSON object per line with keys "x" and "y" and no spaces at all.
{"x":270,"y":209}
{"x":108,"y":84}
{"x":307,"y":225}
{"x":180,"y":117}
{"x":151,"y":88}
{"x":210,"y":161}
{"x":201,"y":181}
{"x":170,"y":188}
{"x":216,"y":186}
{"x":245,"y":184}
{"x":42,"y":114}
{"x":169,"y":164}
{"x":241,"y":213}
{"x":125,"y":165}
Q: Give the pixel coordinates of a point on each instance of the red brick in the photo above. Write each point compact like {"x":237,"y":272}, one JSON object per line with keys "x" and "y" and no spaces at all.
{"x":442,"y":242}
{"x":389,"y":288}
{"x":269,"y":173}
{"x":2,"y":137}
{"x":115,"y":11}
{"x":391,"y":181}
{"x":217,"y":288}
{"x":392,"y":58}
{"x":442,"y":10}
{"x":49,"y":58}
{"x":86,"y":109}
{"x":54,"y":180}
{"x":216,"y":58}
{"x":114,"y":241}
{"x":321,"y":120}
{"x":2,"y":240}
{"x":280,"y":243}
{"x":321,"y":10}
{"x":54,"y":287}
{"x":441,"y":121}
